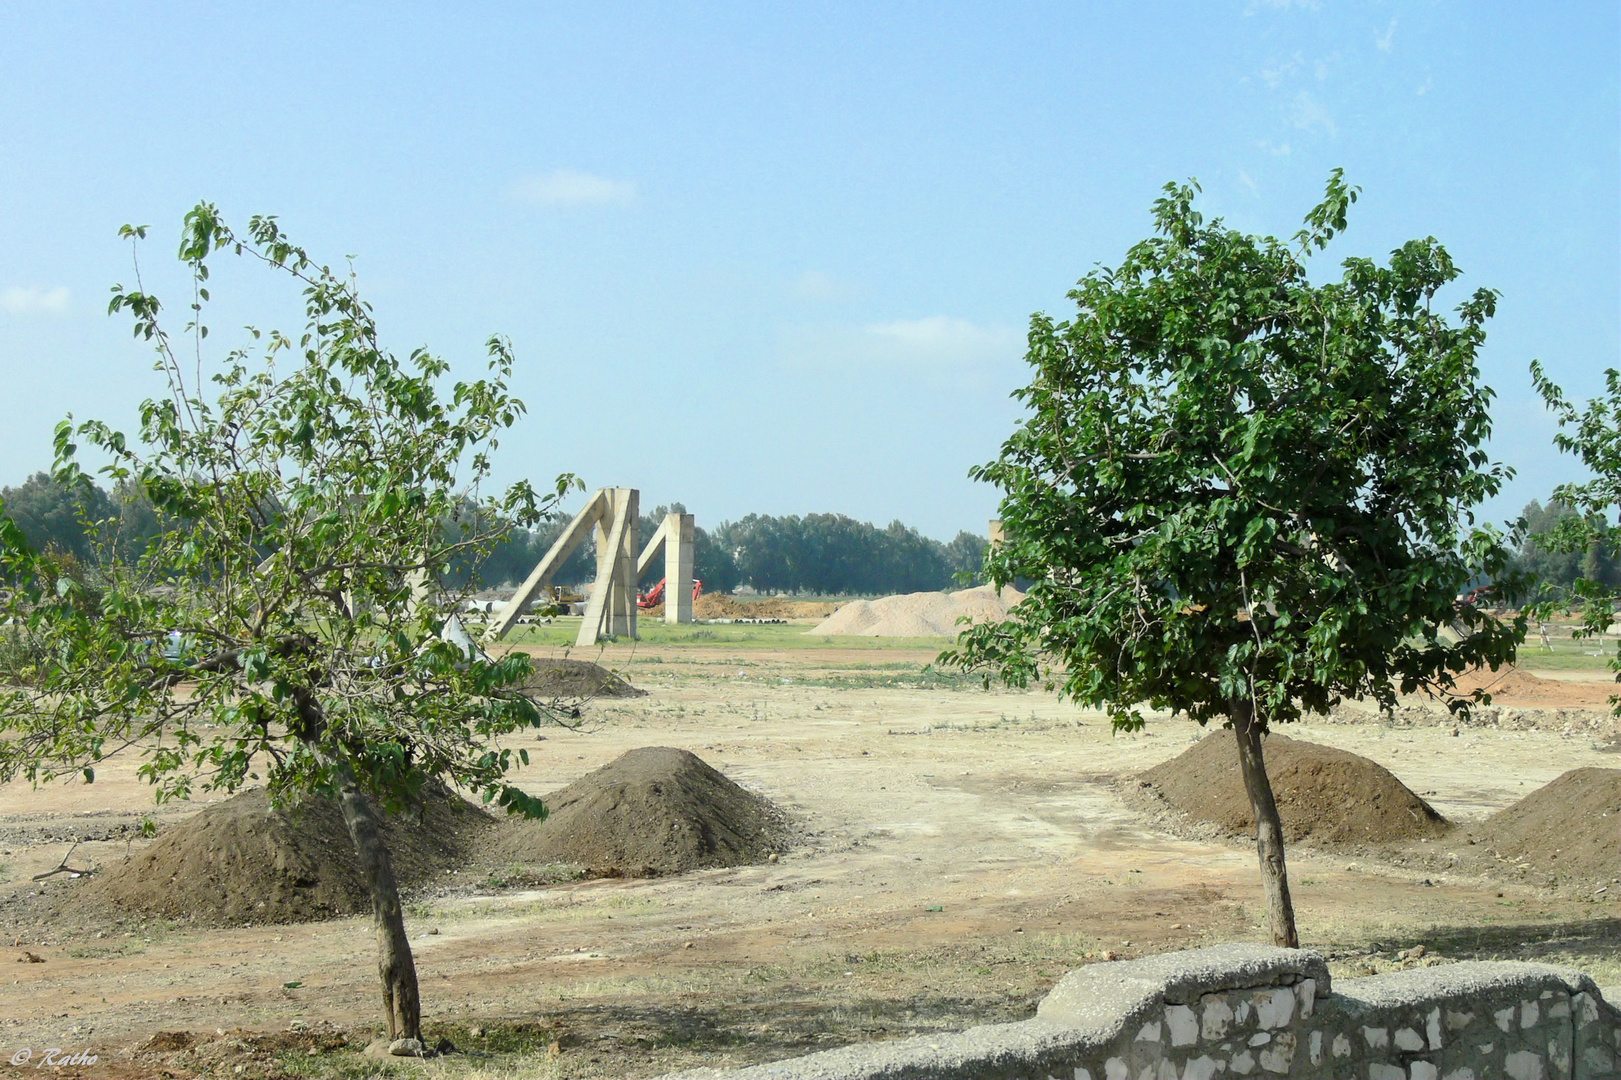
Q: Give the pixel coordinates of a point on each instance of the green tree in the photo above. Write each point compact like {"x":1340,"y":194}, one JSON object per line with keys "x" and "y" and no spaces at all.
{"x":80,"y":522}
{"x":966,"y":556}
{"x":1545,"y":555}
{"x":56,"y":517}
{"x":271,"y":629}
{"x":1238,"y":495}
{"x":713,"y":562}
{"x":1593,"y":435}
{"x":833,"y":553}
{"x":765,"y":549}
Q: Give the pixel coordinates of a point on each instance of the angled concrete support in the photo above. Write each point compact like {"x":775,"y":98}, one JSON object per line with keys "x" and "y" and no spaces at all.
{"x":541,"y":575}
{"x":674,"y":539}
{"x":611,"y":609}
{"x":655,"y":545}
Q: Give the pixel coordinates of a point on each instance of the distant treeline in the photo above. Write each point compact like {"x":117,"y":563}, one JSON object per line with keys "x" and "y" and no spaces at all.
{"x":826,"y":554}
{"x":50,"y":516}
{"x":1560,"y":568}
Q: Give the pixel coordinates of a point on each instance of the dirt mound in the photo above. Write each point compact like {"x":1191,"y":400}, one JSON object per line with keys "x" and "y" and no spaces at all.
{"x":1513,"y":686}
{"x":239,"y":861}
{"x":927,"y":614}
{"x":1325,"y":796}
{"x":1568,"y":828}
{"x":556,"y":678}
{"x":651,"y":811}
{"x":726,"y":606}
{"x":1505,"y":681}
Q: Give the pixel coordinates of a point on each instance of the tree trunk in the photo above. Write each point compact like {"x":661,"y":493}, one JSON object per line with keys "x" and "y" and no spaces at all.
{"x":395,"y":965}
{"x":1280,"y":909}
{"x":396,"y":968}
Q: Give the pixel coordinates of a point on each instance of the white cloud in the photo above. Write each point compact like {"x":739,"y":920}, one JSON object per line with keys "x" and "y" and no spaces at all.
{"x":815,"y":285}
{"x":941,"y":339}
{"x":34,"y":301}
{"x":570,"y":187}
{"x":936,"y":341}
{"x":1275,"y":149}
{"x":1248,"y":182}
{"x":1273,"y":76}
{"x":1307,"y":114}
{"x":1386,"y":39}
{"x":1426,"y":86}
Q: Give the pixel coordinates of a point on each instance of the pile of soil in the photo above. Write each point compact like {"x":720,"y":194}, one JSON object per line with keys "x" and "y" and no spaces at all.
{"x":927,"y":614}
{"x":240,"y":861}
{"x":1568,"y":828}
{"x":1325,"y":796}
{"x":726,"y":606}
{"x":1513,"y":686}
{"x":566,"y":679}
{"x":650,"y":812}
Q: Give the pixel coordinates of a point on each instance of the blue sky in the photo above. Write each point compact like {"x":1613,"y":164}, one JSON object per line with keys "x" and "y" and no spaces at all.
{"x":780,"y":258}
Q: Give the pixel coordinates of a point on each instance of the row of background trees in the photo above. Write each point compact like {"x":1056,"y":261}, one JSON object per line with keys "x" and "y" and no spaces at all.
{"x":1545,"y":563}
{"x":828,"y":554}
{"x":825,"y":554}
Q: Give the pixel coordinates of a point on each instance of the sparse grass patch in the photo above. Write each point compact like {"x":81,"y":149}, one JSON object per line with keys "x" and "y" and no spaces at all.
{"x":907,"y":678}
{"x":98,"y":952}
{"x":517,"y":876}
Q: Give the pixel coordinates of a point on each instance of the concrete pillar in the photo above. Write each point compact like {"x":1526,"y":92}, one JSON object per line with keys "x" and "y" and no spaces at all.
{"x":679,"y":533}
{"x":620,"y":620}
{"x":611,"y":611}
{"x":993,"y":532}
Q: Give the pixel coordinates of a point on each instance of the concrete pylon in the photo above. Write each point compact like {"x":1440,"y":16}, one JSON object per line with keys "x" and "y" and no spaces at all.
{"x":611,"y":610}
{"x":592,"y":513}
{"x":675,"y":538}
{"x":680,"y":530}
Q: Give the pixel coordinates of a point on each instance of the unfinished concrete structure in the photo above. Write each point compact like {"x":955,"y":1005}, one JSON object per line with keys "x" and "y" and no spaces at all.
{"x":610,"y":609}
{"x":675,"y":539}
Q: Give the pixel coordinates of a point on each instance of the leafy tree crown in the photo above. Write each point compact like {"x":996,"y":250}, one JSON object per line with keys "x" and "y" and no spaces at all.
{"x":1233,"y":484}
{"x":271,"y":626}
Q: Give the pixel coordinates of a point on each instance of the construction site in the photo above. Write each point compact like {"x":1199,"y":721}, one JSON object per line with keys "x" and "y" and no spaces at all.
{"x":777,"y":828}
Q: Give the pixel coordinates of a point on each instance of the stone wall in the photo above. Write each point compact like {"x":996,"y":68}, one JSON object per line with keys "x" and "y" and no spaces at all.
{"x":1256,"y":1011}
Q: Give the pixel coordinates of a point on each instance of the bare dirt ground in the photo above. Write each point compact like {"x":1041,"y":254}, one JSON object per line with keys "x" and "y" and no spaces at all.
{"x":959,"y":850}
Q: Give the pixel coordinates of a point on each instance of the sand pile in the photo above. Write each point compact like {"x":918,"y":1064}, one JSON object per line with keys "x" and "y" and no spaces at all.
{"x":555,"y":678}
{"x":1570,"y":828}
{"x":1513,"y":686}
{"x":651,"y":811}
{"x":239,"y":861}
{"x":1325,"y":796}
{"x":927,"y":614}
{"x":726,"y":606}
{"x":1504,"y":682}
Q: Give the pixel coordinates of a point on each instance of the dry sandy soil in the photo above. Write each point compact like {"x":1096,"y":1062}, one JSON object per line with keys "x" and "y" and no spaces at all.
{"x":959,"y":850}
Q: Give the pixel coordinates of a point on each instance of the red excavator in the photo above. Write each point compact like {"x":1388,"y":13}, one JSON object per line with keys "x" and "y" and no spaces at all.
{"x":655,"y":596}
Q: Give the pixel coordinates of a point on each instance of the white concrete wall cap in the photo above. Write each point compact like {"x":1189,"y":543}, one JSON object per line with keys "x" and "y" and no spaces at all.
{"x":1181,"y":978}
